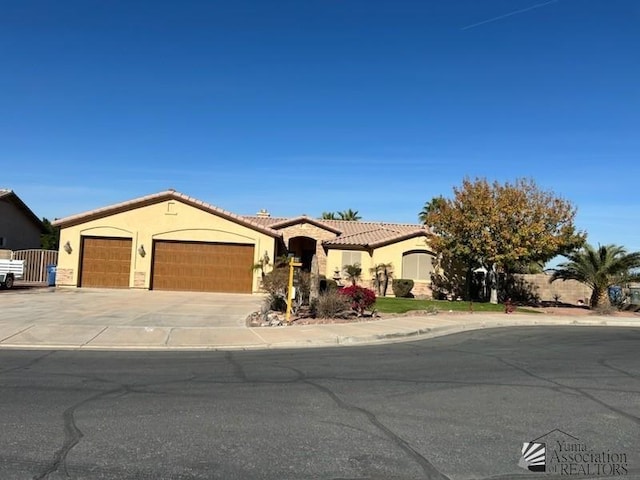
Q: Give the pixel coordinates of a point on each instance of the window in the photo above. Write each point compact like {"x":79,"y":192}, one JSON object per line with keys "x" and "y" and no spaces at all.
{"x":417,"y":266}
{"x":351,"y":257}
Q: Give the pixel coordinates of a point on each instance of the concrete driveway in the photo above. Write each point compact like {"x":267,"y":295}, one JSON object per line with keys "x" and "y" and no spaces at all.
{"x":141,"y":308}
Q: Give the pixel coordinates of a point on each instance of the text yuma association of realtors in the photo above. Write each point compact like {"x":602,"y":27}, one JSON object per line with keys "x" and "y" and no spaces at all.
{"x":576,"y":459}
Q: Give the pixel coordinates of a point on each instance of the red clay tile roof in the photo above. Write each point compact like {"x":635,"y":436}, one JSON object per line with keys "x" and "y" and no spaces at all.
{"x":374,"y":238}
{"x":265,"y":221}
{"x":353,"y":234}
{"x":157,"y":198}
{"x":348,"y":233}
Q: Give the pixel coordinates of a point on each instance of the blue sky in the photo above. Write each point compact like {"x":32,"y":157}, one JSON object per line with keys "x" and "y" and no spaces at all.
{"x":310,"y":106}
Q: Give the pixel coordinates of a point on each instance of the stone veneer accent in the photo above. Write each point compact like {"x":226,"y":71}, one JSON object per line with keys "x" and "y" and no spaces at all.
{"x":422,"y":289}
{"x":139,"y":280}
{"x":64,"y":277}
{"x":316,"y":233}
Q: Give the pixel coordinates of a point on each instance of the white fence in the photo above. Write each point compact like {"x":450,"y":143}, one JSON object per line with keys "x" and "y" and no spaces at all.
{"x":36,"y":261}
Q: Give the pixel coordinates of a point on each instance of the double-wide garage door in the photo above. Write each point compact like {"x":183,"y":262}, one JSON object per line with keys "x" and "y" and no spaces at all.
{"x":202,"y":267}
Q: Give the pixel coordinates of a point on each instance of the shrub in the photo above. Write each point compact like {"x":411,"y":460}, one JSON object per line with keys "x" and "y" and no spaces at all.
{"x":402,"y":287}
{"x":304,"y":286}
{"x":444,"y":287}
{"x":275,"y":283}
{"x":276,"y":302}
{"x":328,"y":285}
{"x":360,"y":298}
{"x":605,"y":309}
{"x":519,"y":290}
{"x":331,"y":304}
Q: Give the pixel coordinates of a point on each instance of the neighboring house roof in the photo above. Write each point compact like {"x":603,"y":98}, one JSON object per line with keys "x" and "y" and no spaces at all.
{"x":161,"y":197}
{"x":352,"y":234}
{"x":11,"y":196}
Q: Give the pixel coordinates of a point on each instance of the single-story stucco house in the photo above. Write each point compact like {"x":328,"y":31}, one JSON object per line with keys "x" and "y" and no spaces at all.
{"x":20,"y":228}
{"x":170,"y":241}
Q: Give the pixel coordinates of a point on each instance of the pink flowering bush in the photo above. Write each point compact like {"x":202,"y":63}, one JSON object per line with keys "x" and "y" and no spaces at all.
{"x":361,"y":298}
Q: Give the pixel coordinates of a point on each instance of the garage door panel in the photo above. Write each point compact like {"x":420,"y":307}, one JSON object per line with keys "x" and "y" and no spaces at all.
{"x":105,"y":262}
{"x":205,"y":267}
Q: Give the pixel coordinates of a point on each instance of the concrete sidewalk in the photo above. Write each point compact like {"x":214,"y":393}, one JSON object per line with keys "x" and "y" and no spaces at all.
{"x":105,"y":336}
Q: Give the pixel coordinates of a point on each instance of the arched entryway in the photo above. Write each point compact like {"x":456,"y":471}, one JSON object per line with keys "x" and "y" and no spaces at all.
{"x":303,"y":248}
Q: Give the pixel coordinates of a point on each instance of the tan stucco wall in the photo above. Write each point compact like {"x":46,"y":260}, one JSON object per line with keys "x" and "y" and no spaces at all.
{"x":19,"y":231}
{"x":569,"y":291}
{"x":387,"y":254}
{"x":393,"y":254}
{"x":167,"y":220}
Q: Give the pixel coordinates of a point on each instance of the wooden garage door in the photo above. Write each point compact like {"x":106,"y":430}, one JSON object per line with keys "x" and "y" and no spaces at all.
{"x":202,"y":267}
{"x":106,"y":262}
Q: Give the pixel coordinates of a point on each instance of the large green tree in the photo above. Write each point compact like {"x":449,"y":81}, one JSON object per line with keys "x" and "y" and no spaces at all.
{"x":497,"y":225}
{"x":51,"y":239}
{"x":599,"y":268}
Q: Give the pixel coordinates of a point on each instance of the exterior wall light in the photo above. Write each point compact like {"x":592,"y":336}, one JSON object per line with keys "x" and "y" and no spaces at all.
{"x":67,"y":247}
{"x":141,"y":251}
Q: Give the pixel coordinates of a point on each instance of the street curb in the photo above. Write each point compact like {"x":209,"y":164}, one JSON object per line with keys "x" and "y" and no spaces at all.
{"x":345,"y":341}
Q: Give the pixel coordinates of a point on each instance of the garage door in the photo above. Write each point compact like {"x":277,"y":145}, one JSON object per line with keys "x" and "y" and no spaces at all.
{"x":106,"y":262}
{"x":202,"y":267}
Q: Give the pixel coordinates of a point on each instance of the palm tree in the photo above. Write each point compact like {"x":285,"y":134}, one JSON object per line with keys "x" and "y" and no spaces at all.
{"x":354,"y":272}
{"x":381,"y":275}
{"x":599,"y":268}
{"x":329,"y":216}
{"x":349,"y":215}
{"x":262,"y":264}
{"x":432,"y":206}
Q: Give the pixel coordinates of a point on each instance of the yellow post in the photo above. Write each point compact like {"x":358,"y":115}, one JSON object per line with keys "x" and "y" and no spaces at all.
{"x":292,"y":264}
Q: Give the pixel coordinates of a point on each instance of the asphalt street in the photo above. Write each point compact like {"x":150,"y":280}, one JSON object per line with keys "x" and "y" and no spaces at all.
{"x":453,"y":407}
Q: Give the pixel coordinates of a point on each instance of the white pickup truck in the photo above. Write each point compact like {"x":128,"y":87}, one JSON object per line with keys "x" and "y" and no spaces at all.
{"x":10,"y":271}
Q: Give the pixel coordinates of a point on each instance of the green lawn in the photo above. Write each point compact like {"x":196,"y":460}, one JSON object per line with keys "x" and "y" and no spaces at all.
{"x":402,"y":305}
